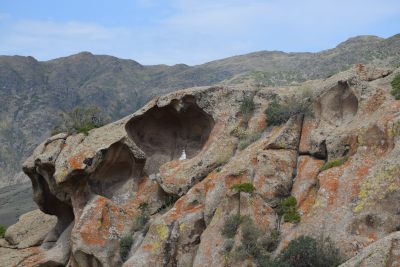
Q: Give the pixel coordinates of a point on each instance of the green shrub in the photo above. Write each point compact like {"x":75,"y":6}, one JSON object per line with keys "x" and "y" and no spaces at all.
{"x":271,"y":241}
{"x":247,"y":108}
{"x":231,"y":225}
{"x":253,"y":244}
{"x":333,"y":163}
{"x":141,"y":220}
{"x":248,"y":139}
{"x":242,"y":187}
{"x":125,"y":245}
{"x":301,"y":252}
{"x":170,"y":200}
{"x":278,"y":112}
{"x":228,"y":245}
{"x":287,"y":209}
{"x":239,"y":132}
{"x":250,"y":234}
{"x":2,"y":231}
{"x":80,"y":120}
{"x":396,"y":87}
{"x":305,"y":251}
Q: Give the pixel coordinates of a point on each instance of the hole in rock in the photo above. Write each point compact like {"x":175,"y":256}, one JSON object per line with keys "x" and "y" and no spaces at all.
{"x":50,"y":204}
{"x":164,"y":133}
{"x":118,"y":174}
{"x":339,"y":105}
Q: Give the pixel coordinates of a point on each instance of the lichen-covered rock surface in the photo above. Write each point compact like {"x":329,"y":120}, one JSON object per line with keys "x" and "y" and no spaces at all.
{"x":163,"y":177}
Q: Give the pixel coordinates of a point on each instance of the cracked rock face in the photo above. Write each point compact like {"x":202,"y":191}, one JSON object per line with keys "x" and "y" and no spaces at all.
{"x":129,"y":178}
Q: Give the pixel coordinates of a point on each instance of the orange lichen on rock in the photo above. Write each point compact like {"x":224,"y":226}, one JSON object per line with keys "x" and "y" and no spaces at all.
{"x":76,"y":161}
{"x":328,"y":182}
{"x":98,"y":222}
{"x":231,"y":180}
{"x":308,"y":125}
{"x":308,"y":202}
{"x":307,"y":171}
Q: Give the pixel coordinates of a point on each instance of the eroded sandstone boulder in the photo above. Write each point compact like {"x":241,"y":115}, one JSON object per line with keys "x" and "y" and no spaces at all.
{"x":31,"y":229}
{"x":100,"y":184}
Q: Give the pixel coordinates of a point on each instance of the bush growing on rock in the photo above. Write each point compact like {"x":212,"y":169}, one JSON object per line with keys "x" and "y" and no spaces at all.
{"x":333,"y":163}
{"x":2,"y":231}
{"x":245,"y":138}
{"x":248,"y":139}
{"x":242,"y":187}
{"x":279,"y":112}
{"x":80,"y":120}
{"x":253,"y":244}
{"x":141,"y":220}
{"x":287,"y":210}
{"x":247,"y":108}
{"x":231,"y":225}
{"x":305,"y":251}
{"x":396,"y":87}
{"x":125,"y":245}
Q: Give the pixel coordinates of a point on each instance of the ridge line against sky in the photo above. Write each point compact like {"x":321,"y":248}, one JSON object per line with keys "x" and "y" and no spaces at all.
{"x":187,"y":31}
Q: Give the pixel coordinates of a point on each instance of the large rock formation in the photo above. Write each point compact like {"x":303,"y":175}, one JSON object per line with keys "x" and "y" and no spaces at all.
{"x":104,"y":186}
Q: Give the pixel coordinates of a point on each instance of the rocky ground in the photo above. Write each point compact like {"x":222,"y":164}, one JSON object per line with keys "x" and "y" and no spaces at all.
{"x":128,"y":181}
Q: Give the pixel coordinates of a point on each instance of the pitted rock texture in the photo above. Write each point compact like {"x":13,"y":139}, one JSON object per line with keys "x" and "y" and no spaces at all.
{"x":31,"y":229}
{"x":99,"y":185}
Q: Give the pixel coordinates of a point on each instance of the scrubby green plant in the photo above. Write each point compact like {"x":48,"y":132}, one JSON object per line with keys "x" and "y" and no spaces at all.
{"x":170,"y":200}
{"x":228,"y":245}
{"x":2,"y":231}
{"x":250,"y":235}
{"x":80,"y":120}
{"x":301,"y":252}
{"x":141,"y":220}
{"x":245,"y":137}
{"x":253,"y":243}
{"x":248,"y":139}
{"x":286,"y":209}
{"x":242,"y":187}
{"x":247,"y":108}
{"x":305,"y":251}
{"x":270,"y":242}
{"x":239,"y":132}
{"x":231,"y":225}
{"x":333,"y":163}
{"x":125,"y":245}
{"x":396,"y":87}
{"x":279,"y":112}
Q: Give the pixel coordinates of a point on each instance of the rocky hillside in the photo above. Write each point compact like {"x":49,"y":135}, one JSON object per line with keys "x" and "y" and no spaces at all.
{"x":33,"y":93}
{"x":128,"y":195}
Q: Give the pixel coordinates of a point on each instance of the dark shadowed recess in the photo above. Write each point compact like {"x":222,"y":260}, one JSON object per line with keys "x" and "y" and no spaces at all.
{"x":164,"y":132}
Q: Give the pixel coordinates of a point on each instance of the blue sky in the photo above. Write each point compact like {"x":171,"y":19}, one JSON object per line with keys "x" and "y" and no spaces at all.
{"x":187,"y":31}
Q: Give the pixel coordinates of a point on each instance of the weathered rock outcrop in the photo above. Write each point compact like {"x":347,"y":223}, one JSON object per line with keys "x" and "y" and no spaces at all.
{"x":30,"y":230}
{"x":100,"y":185}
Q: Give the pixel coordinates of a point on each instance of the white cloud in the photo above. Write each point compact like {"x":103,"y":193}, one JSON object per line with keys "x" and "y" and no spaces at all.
{"x":200,"y":31}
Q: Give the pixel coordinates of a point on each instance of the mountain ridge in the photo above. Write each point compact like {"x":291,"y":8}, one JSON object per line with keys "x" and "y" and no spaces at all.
{"x":42,"y":89}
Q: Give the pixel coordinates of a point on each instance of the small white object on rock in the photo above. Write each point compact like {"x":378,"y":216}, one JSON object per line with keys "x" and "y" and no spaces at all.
{"x":183,"y":156}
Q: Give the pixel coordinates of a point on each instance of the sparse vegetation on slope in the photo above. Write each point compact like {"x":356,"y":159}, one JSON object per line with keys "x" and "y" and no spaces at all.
{"x":305,"y":251}
{"x":279,"y":112}
{"x":396,"y":87}
{"x":245,"y":188}
{"x":80,"y":120}
{"x":125,"y":245}
{"x":333,"y":163}
{"x":287,"y":210}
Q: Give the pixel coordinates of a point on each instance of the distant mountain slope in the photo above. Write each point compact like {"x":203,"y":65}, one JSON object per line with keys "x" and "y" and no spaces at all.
{"x":32,"y":93}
